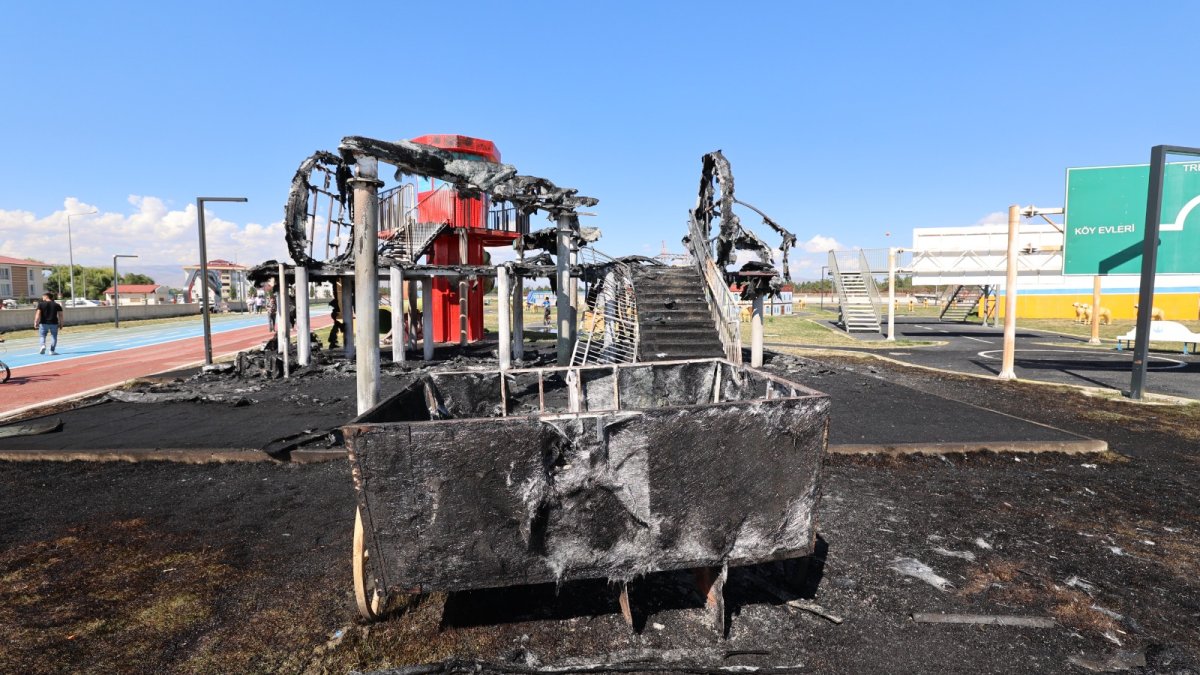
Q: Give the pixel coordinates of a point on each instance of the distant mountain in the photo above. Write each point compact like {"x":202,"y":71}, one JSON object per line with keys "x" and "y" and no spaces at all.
{"x":165,"y":275}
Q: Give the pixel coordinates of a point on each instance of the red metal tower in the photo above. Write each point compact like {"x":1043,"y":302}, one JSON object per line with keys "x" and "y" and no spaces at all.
{"x":470,"y":226}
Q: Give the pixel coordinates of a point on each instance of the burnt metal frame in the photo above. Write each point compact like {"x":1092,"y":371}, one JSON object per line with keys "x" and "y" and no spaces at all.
{"x":1141,"y":347}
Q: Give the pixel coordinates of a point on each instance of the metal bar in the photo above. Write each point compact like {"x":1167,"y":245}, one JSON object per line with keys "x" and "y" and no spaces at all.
{"x":518,"y":341}
{"x":347,"y":306}
{"x":756,"y":333}
{"x":1141,"y":345}
{"x":562,"y":260}
{"x":1095,"y":339}
{"x":464,"y":290}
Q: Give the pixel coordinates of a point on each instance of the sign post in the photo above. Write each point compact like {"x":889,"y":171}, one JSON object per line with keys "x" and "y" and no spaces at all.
{"x":1150,"y":252}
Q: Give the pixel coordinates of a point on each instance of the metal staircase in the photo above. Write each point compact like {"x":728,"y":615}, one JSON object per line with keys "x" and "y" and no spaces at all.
{"x":962,"y":303}
{"x":858,"y":297}
{"x":401,"y":237}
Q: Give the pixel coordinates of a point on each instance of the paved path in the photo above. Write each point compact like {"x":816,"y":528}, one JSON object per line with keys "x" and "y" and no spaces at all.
{"x":1041,"y":356}
{"x":92,"y":361}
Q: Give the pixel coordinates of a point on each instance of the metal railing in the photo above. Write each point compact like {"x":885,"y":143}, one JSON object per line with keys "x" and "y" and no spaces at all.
{"x":608,"y":333}
{"x":869,"y":282}
{"x":721,"y":302}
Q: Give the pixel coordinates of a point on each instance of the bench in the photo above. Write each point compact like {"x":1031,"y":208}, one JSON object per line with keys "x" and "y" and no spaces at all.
{"x":1164,"y":331}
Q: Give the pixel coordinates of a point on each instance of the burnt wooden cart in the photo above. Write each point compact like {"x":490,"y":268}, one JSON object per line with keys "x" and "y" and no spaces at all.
{"x":481,"y":479}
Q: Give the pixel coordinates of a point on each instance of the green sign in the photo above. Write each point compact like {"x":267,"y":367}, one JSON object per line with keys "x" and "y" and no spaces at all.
{"x":1106,"y":214}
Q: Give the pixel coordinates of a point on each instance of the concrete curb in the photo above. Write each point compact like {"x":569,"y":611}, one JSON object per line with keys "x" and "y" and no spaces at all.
{"x":1025,"y":447}
{"x":178,"y":455}
{"x":1098,"y":392}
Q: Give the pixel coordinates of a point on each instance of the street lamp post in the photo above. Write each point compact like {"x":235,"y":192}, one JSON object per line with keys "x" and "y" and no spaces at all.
{"x":204,"y":270}
{"x":117,"y":290}
{"x":71,"y":251}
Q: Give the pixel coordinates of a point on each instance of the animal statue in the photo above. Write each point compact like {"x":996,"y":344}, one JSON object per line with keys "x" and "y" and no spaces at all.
{"x":1083,"y":313}
{"x":1082,"y":310}
{"x":1156,"y":314}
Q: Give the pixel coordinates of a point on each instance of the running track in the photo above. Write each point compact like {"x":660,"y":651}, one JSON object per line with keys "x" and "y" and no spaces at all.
{"x":93,"y":361}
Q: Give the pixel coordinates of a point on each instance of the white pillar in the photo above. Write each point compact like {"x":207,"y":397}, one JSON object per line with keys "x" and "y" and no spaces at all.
{"x":303,"y":322}
{"x":410,"y":327}
{"x":518,"y":304}
{"x":427,"y":315}
{"x":756,"y":333}
{"x":562,"y":262}
{"x":1010,"y":297}
{"x":282,"y":329}
{"x":504,"y":302}
{"x":891,"y":335}
{"x":366,"y":185}
{"x":399,"y":327}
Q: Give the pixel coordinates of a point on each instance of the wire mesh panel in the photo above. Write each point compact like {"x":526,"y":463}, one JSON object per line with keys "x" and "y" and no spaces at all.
{"x":608,"y":331}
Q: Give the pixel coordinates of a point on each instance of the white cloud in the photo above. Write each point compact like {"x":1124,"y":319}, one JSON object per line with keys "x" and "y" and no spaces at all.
{"x":820,"y":244}
{"x":150,"y":230}
{"x":993,"y":218}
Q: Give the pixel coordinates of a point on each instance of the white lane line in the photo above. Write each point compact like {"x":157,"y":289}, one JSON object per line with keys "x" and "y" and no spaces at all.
{"x":967,"y":337}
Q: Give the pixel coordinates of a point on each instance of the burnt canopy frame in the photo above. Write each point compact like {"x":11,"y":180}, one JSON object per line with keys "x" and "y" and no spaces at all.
{"x":500,"y":182}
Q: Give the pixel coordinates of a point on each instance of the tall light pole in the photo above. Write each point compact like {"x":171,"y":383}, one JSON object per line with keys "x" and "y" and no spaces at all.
{"x":204,"y":270}
{"x":117,"y":290}
{"x":71,"y":250}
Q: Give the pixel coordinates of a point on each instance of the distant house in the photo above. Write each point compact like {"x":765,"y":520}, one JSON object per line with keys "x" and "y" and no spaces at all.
{"x":21,"y":278}
{"x":226,"y":280}
{"x":139,"y":294}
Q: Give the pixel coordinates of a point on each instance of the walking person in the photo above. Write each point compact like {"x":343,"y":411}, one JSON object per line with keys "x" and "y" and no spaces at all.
{"x":48,"y":319}
{"x":272,"y":310}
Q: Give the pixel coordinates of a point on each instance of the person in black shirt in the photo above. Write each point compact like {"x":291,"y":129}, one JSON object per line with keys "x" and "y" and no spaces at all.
{"x":48,"y":319}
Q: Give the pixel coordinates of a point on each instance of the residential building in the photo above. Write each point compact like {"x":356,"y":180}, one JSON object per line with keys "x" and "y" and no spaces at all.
{"x":21,"y":279}
{"x":139,"y":294}
{"x":225,"y":278}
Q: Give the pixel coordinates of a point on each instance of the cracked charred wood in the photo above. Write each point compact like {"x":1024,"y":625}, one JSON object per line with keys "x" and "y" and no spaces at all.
{"x":731,"y":235}
{"x":546,"y":239}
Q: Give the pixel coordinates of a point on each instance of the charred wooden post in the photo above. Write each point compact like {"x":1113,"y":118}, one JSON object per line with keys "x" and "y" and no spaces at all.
{"x":518,"y":303}
{"x":427,"y":316}
{"x":347,"y":305}
{"x":756,"y":333}
{"x":562,"y":260}
{"x":366,"y":186}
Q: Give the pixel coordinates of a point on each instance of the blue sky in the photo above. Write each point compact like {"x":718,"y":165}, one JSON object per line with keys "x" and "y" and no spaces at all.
{"x":844,"y":121}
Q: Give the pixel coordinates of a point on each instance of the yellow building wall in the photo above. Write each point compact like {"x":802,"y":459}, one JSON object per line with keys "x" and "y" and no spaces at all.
{"x":1176,"y":306}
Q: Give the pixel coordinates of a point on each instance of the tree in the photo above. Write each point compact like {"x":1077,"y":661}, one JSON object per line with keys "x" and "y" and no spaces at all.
{"x":138,"y":279}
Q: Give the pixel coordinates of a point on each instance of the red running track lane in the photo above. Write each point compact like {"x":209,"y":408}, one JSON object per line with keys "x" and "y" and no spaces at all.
{"x":32,"y":386}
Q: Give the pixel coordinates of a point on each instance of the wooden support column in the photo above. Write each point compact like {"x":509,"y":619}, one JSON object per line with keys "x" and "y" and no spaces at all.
{"x":347,"y":304}
{"x":1095,"y":339}
{"x":1010,"y":297}
{"x":710,"y":581}
{"x":303,"y":319}
{"x":562,"y":261}
{"x":366,"y":186}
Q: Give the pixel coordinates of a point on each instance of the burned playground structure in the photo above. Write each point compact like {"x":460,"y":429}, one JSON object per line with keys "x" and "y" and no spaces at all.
{"x":648,"y":447}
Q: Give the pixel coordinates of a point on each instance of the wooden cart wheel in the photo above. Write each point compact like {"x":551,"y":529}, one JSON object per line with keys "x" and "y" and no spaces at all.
{"x":369,"y":598}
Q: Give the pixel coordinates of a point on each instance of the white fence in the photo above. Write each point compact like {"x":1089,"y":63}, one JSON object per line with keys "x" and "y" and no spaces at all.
{"x":22,"y":319}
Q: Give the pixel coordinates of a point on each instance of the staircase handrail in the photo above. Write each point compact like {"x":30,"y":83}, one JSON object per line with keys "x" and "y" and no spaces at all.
{"x":726,"y":312}
{"x":869,"y":282}
{"x":836,"y":271}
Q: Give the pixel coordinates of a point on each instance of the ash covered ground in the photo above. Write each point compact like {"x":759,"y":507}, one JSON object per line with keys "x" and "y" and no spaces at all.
{"x":164,"y":567}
